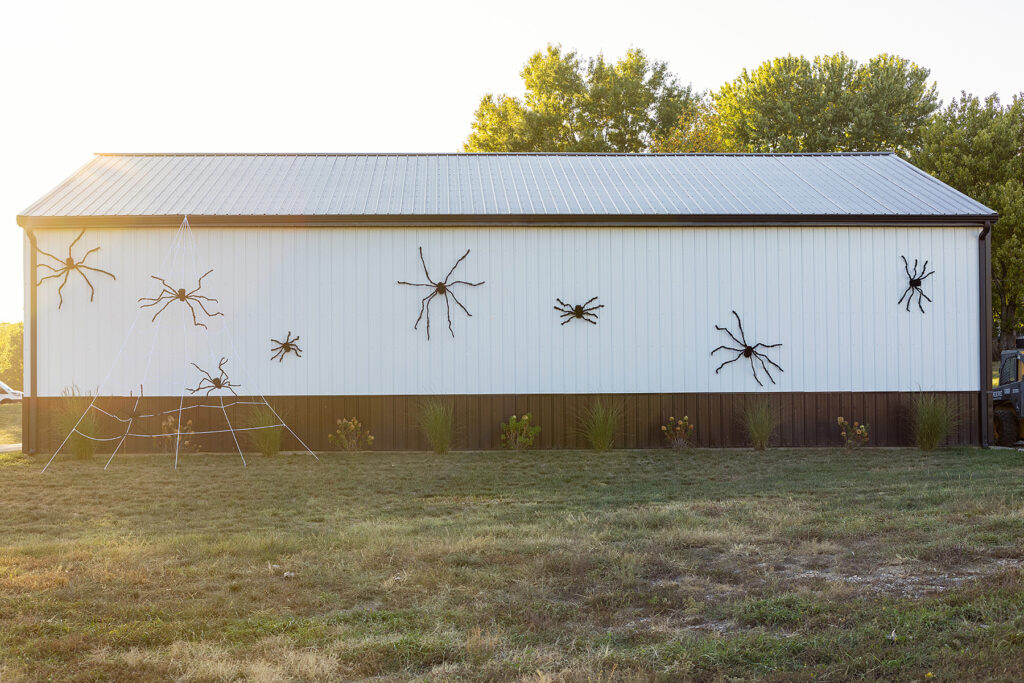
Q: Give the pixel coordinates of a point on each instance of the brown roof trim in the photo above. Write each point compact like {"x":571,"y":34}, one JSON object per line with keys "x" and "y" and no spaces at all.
{"x":573,"y":220}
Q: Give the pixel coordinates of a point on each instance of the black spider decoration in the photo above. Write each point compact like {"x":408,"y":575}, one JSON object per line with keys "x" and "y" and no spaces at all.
{"x":914,"y":280}
{"x":285,"y":347}
{"x":170,"y":294}
{"x":745,"y":350}
{"x":221,"y":381}
{"x":442,"y":288}
{"x":69,"y":265}
{"x":583,"y":312}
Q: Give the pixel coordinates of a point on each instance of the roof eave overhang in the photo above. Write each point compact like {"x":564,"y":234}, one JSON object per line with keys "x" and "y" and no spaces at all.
{"x":502,"y":220}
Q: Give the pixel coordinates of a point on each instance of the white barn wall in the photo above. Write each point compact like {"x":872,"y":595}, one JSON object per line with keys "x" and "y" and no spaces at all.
{"x":827,"y":294}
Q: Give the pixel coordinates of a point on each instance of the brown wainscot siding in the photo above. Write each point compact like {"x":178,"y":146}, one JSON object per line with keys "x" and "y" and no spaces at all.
{"x":805,"y":419}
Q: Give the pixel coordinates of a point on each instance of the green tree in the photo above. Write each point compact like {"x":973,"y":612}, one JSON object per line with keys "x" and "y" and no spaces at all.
{"x":830,"y":104}
{"x":572,"y":106}
{"x":978,"y":148}
{"x":11,"y":357}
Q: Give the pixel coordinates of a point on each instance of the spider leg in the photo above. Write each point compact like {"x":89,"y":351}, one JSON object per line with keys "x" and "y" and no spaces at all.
{"x":63,"y":282}
{"x":228,"y":387}
{"x":86,"y":255}
{"x":47,"y":265}
{"x":764,"y":357}
{"x":425,"y":271}
{"x":587,"y":316}
{"x":751,"y":359}
{"x":56,"y":273}
{"x":204,"y":298}
{"x":221,"y":364}
{"x":463,"y":282}
{"x":904,"y":295}
{"x":415,"y":284}
{"x":158,"y":312}
{"x":743,"y":335}
{"x":201,"y":281}
{"x":448,"y":307}
{"x":98,"y":270}
{"x":202,"y":371}
{"x":906,"y":266}
{"x":459,"y":303}
{"x":562,"y":302}
{"x":592,"y":308}
{"x":58,"y":260}
{"x":298,"y":352}
{"x":93,"y":291}
{"x":204,"y":307}
{"x":154,"y":299}
{"x":568,"y":318}
{"x":453,"y":267}
{"x":588,"y":301}
{"x":765,"y":346}
{"x":423,"y":303}
{"x":275,"y":341}
{"x":731,"y":360}
{"x":925,"y":276}
{"x":75,"y":242}
{"x":727,"y":348}
{"x":921,"y":292}
{"x":731,"y":336}
{"x":194,"y":321}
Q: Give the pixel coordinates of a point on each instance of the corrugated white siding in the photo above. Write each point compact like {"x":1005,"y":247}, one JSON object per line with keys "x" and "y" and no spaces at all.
{"x":827,"y":294}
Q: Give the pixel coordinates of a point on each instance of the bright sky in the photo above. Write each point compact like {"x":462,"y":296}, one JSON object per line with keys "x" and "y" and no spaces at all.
{"x":303,"y":76}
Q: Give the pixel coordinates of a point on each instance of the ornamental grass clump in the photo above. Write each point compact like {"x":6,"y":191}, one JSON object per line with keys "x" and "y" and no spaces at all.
{"x":932,"y":419}
{"x":72,"y":420}
{"x":263,"y":431}
{"x":350,"y":435}
{"x":854,"y":435}
{"x":760,"y":423}
{"x":597,"y":424}
{"x":518,"y":434}
{"x":677,"y":433}
{"x":437,"y":422}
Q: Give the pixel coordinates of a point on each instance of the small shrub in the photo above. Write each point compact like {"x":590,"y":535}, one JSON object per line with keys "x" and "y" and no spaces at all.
{"x":854,"y":435}
{"x":597,"y":424}
{"x":932,"y":419}
{"x":437,"y":422}
{"x":72,"y":419}
{"x":169,"y":427}
{"x":760,"y":423}
{"x":350,"y":435}
{"x":677,"y":433}
{"x":263,"y":431}
{"x":518,"y":434}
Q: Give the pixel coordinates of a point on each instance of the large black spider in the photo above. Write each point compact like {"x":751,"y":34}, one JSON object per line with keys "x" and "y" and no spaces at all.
{"x":285,"y":347}
{"x":221,"y":381}
{"x":442,"y":288}
{"x":69,"y":265}
{"x":578,"y":312}
{"x":170,"y":294}
{"x":745,"y":350}
{"x":914,"y":280}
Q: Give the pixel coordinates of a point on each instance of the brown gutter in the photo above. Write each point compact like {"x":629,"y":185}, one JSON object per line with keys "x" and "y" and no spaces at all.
{"x":985,"y":339}
{"x":30,"y":419}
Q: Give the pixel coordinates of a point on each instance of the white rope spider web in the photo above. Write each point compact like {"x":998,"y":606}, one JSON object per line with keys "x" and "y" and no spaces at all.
{"x":126,"y":426}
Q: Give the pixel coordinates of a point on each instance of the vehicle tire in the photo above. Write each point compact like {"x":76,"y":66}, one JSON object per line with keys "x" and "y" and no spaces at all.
{"x":1006,"y":427}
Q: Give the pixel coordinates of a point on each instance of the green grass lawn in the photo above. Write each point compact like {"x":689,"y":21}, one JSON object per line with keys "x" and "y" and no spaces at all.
{"x":713,"y":565}
{"x":10,"y":423}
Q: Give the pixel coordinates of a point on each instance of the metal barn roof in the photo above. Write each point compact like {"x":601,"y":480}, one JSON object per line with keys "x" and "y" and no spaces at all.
{"x":354,"y":186}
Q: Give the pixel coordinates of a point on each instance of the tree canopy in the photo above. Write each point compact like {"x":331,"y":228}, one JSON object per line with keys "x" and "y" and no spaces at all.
{"x":829,"y":104}
{"x":978,"y":147}
{"x":11,"y":347}
{"x":575,"y":106}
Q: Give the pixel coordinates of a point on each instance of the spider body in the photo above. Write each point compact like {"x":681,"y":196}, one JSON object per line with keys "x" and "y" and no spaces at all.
{"x":169,"y":295}
{"x":915,"y":279}
{"x":285,"y":347}
{"x":70,"y":265}
{"x":440,"y":288}
{"x":743,"y":349}
{"x":582,"y":311}
{"x":211,"y":383}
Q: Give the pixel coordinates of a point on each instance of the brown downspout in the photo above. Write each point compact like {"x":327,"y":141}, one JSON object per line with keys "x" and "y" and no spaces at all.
{"x":985,"y":322}
{"x":30,"y":419}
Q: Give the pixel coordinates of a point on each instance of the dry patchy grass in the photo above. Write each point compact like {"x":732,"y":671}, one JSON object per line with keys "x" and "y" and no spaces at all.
{"x":10,"y":423}
{"x":553,"y":566}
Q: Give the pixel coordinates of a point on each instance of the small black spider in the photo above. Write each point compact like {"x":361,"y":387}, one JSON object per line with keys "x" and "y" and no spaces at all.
{"x":170,"y":294}
{"x":68,"y":266}
{"x":578,"y":312}
{"x":745,"y":350}
{"x":914,"y":280}
{"x":442,"y":288}
{"x":221,"y":381}
{"x":286,"y":346}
